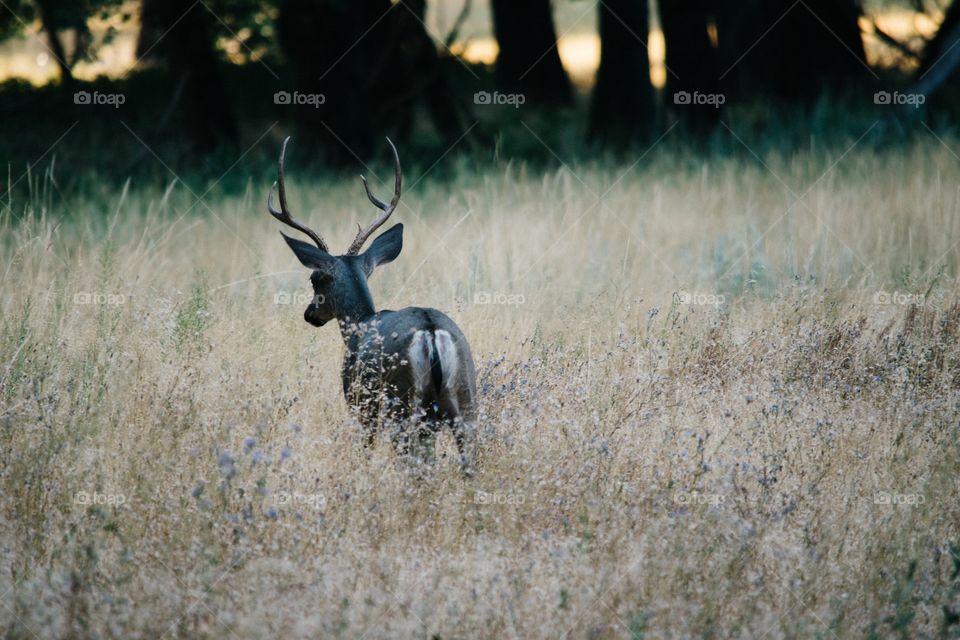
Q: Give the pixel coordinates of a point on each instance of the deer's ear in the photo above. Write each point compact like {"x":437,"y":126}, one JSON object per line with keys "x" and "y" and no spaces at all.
{"x":309,"y":255}
{"x":384,"y":249}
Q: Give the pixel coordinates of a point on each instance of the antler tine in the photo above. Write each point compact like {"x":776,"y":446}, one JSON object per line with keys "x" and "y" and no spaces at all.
{"x":388,"y":209}
{"x":283,"y":215}
{"x":377,"y":202}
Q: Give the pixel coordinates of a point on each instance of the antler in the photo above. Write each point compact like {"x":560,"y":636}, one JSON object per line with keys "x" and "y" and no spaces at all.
{"x":388,"y":209}
{"x":284,"y":214}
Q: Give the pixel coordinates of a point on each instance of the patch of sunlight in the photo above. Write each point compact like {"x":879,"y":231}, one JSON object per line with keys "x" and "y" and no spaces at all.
{"x":29,"y":57}
{"x":901,"y":25}
{"x":657,"y":50}
{"x":579,"y":53}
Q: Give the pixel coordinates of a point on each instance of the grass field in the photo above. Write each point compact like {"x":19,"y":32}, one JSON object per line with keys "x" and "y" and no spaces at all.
{"x":719,"y":399}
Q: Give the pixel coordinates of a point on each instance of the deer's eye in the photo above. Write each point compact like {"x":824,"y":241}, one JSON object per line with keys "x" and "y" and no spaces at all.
{"x":319,"y":278}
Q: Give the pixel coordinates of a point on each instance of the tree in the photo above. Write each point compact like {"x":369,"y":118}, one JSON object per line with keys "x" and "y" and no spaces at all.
{"x":622,"y":107}
{"x":792,"y":51}
{"x":180,"y":34}
{"x":529,"y":62}
{"x":942,"y":49}
{"x":430,"y":74}
{"x":693,"y":60}
{"x":938,"y":65}
{"x":338,"y":50}
{"x":373,"y":63}
{"x":58,"y":17}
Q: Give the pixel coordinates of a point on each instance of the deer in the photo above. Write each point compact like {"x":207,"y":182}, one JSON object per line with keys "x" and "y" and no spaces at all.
{"x":410,"y":371}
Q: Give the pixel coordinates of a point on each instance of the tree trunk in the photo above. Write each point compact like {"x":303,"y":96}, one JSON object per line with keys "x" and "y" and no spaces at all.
{"x":339,"y":51}
{"x":429,"y":70}
{"x":794,"y":51}
{"x":529,"y":62}
{"x":622,"y":107}
{"x":47,"y":15}
{"x":945,"y":39}
{"x":373,"y":62}
{"x":936,"y":78}
{"x":181,"y":34}
{"x":693,"y":61}
{"x":56,"y":47}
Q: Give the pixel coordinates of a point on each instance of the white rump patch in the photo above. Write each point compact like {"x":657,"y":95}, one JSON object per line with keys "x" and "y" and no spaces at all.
{"x":448,"y":356}
{"x":423,"y":346}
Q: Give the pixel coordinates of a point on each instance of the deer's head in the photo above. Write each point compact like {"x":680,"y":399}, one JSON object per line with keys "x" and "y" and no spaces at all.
{"x":340,"y":282}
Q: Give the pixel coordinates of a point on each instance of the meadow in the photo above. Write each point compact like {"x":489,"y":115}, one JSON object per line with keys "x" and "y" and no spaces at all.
{"x":719,"y":398}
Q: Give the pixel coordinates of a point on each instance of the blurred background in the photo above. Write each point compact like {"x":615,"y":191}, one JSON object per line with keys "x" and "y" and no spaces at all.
{"x":705,"y":252}
{"x":119,"y":88}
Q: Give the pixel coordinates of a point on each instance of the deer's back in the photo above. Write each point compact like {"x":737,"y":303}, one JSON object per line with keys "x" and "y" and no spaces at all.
{"x":414,"y":351}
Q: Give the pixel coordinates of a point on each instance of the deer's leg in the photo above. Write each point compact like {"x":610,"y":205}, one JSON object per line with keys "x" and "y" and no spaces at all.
{"x":367,"y":410}
{"x":397,"y":419}
{"x":369,"y":420}
{"x":369,"y":435}
{"x":401,"y":441}
{"x":464,"y":432}
{"x":414,"y":439}
{"x":425,"y":450}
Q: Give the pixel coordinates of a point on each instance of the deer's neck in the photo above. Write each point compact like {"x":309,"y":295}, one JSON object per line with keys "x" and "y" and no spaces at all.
{"x":351,"y":329}
{"x":355,"y":307}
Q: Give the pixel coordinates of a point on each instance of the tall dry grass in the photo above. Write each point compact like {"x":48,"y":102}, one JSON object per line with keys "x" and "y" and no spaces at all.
{"x":708,"y":410}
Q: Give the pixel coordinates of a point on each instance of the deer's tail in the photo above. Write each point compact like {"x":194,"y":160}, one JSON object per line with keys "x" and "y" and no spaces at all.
{"x":434,"y":362}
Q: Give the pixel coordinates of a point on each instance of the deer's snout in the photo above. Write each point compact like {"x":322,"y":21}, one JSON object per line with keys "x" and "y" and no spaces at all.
{"x":313,"y":316}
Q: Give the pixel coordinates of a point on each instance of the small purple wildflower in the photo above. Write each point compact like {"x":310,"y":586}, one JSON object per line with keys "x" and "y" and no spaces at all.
{"x":226,"y":463}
